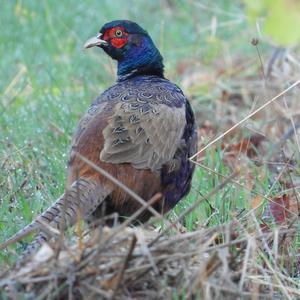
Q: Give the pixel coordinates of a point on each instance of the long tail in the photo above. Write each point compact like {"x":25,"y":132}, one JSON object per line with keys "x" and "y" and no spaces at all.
{"x":83,"y":197}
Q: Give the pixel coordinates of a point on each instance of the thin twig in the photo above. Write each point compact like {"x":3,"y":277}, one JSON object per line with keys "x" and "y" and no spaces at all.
{"x":124,"y":266}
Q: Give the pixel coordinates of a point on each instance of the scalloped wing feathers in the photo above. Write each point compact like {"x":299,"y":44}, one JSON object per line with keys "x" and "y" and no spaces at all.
{"x":147,"y":141}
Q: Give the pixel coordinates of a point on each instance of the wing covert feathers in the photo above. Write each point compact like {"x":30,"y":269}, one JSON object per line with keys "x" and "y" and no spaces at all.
{"x":147,"y":141}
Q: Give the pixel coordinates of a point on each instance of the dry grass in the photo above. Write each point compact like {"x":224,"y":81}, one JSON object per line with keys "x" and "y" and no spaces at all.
{"x":222,"y":262}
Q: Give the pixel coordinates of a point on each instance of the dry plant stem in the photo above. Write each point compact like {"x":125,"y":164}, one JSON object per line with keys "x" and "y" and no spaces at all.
{"x":245,"y":119}
{"x":263,"y":239}
{"x":145,"y":250}
{"x":293,"y":125}
{"x":196,"y":203}
{"x":96,"y":290}
{"x":277,"y":276}
{"x":201,"y":274}
{"x":245,"y":263}
{"x":124,"y":267}
{"x":213,"y":263}
{"x":261,"y":63}
{"x":270,"y":258}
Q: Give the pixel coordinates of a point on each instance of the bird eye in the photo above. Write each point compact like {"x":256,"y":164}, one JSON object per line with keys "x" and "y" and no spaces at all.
{"x":118,"y":33}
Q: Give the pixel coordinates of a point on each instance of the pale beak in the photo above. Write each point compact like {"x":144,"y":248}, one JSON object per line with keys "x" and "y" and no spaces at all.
{"x":94,"y":41}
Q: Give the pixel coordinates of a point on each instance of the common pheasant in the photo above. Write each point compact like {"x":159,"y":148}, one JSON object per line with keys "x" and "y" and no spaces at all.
{"x":141,"y":131}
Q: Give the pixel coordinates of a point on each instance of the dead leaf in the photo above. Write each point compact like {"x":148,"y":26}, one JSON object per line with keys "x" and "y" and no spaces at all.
{"x":246,"y":145}
{"x":279,"y":207}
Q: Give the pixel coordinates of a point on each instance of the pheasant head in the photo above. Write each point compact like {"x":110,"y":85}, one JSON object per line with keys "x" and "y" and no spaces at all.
{"x":131,"y":46}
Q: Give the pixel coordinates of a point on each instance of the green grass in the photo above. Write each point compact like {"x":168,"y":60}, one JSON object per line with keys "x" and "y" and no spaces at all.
{"x":47,"y":82}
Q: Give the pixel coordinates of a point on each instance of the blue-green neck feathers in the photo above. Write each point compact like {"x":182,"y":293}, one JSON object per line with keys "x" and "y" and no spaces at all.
{"x":141,"y":57}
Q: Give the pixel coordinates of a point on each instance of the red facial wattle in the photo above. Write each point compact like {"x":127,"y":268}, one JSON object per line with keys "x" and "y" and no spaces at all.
{"x":119,"y":42}
{"x":116,"y":41}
